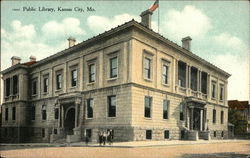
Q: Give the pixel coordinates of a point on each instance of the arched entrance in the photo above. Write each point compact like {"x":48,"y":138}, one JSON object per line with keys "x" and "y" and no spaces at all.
{"x":69,"y":122}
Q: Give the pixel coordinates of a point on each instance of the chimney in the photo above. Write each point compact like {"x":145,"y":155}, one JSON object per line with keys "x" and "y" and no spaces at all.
{"x":15,"y":60}
{"x":32,"y":58}
{"x":146,"y":18}
{"x":72,"y":41}
{"x":186,"y":43}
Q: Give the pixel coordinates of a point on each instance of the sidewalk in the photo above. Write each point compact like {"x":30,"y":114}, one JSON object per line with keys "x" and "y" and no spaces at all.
{"x":132,"y":144}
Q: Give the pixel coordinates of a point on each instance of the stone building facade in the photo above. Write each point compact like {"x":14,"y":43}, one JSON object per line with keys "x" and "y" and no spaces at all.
{"x":130,"y":80}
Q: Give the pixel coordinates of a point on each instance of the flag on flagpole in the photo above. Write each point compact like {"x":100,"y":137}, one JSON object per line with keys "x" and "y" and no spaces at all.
{"x":154,"y":6}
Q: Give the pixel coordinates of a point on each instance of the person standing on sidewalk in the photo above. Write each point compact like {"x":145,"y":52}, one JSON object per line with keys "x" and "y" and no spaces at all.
{"x":104,"y":137}
{"x":100,"y":137}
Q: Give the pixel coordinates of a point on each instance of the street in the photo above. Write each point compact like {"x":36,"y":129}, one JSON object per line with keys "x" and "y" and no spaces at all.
{"x":211,"y":150}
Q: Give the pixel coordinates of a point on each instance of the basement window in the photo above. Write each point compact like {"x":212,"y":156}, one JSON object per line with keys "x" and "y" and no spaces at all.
{"x":166,"y":134}
{"x":148,"y":134}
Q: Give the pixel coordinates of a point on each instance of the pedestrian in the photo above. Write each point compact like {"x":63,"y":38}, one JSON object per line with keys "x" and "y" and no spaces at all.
{"x":104,"y":138}
{"x":86,"y":140}
{"x":100,"y":138}
{"x":109,"y":137}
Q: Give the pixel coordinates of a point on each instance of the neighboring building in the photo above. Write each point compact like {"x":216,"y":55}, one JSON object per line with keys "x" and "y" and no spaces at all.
{"x":244,"y":108}
{"x":129,"y":79}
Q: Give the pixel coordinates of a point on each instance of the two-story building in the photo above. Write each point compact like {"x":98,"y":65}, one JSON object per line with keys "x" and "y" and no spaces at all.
{"x":130,"y":80}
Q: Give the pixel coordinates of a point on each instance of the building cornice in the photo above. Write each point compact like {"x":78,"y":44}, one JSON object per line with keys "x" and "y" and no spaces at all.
{"x":114,"y":31}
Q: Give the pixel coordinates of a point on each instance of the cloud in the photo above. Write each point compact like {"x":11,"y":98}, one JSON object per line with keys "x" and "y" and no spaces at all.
{"x":67,"y":27}
{"x":19,"y":31}
{"x":23,"y":41}
{"x":99,"y":24}
{"x":188,"y":22}
{"x":231,"y":44}
{"x":238,"y":83}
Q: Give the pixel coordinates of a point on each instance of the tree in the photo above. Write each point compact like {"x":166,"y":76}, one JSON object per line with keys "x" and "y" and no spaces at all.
{"x":240,"y":124}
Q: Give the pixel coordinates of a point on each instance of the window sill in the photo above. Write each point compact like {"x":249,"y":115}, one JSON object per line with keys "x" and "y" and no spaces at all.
{"x":148,"y":80}
{"x":58,"y":90}
{"x":165,"y":119}
{"x":112,"y":79}
{"x":111,"y":117}
{"x":166,"y":85}
{"x":90,"y":83}
{"x":45,"y":93}
{"x":74,"y":87}
{"x":148,"y":118}
{"x":89,"y":118}
{"x":34,"y":95}
{"x":213,"y":98}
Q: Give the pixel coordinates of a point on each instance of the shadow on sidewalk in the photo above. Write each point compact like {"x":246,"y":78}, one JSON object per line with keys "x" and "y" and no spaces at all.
{"x":216,"y":155}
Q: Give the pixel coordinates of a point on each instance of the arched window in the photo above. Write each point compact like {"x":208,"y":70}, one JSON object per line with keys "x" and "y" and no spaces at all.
{"x":44,"y":113}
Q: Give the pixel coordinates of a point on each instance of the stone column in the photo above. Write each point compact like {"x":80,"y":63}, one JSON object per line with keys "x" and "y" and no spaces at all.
{"x":198,"y":79}
{"x":188,"y":118}
{"x":208,"y":86}
{"x":174,"y":75}
{"x":76,"y":115}
{"x":205,"y":119}
{"x":62,"y":116}
{"x":186,"y":75}
{"x":201,"y":119}
{"x":189,"y":76}
{"x":191,"y":118}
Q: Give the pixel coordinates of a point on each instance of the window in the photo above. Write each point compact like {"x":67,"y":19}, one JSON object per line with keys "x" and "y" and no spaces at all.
{"x":15,"y":85}
{"x":222,"y":134}
{"x":43,"y":132}
{"x":44,"y":113}
{"x":33,"y":112}
{"x":112,"y":106}
{"x":13,"y":113}
{"x":181,"y":112}
{"x":91,"y":73}
{"x":204,"y":82}
{"x":89,"y":133}
{"x":73,"y":78}
{"x":166,"y":134}
{"x":213,"y":89}
{"x":165,"y":74}
{"x":222,"y":117}
{"x":59,"y":81}
{"x":148,"y":134}
{"x":56,"y":113}
{"x":6,"y":114}
{"x":214,"y":116}
{"x":113,"y":67}
{"x":7,"y":87}
{"x":45,"y":84}
{"x":34,"y":87}
{"x":90,"y":103}
{"x":182,"y":73}
{"x":55,"y":131}
{"x":147,"y":106}
{"x":214,"y":133}
{"x":165,"y":109}
{"x":194,"y":72}
{"x":221,"y":92}
{"x":147,"y":68}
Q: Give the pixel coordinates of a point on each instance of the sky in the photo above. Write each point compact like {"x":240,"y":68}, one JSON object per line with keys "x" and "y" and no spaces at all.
{"x":219,"y":30}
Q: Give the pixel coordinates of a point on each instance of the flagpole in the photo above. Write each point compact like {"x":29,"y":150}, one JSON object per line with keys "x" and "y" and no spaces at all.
{"x":159,"y":16}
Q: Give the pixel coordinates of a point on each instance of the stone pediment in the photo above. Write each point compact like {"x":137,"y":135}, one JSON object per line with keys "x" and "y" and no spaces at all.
{"x":72,"y":97}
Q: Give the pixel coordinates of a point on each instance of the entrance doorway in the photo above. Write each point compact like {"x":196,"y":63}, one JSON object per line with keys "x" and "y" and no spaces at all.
{"x":197,"y":119}
{"x":69,"y":122}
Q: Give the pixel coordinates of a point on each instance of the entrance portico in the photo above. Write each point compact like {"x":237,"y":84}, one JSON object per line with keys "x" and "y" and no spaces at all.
{"x":69,"y":107}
